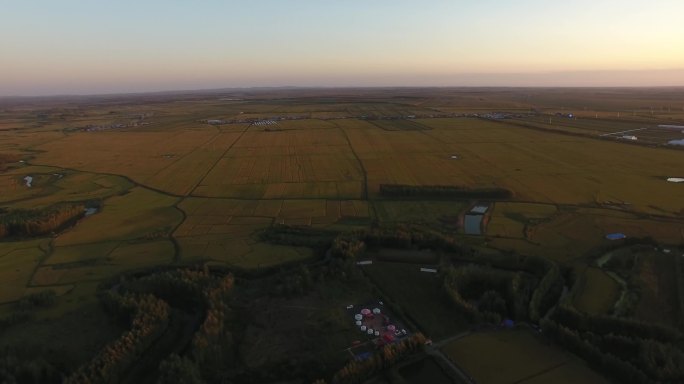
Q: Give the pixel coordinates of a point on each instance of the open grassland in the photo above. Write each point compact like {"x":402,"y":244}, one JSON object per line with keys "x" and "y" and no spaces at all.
{"x":54,"y":185}
{"x":597,"y":292}
{"x":657,"y":279}
{"x":139,"y":214}
{"x":103,"y":263}
{"x":224,"y":230}
{"x":18,"y":261}
{"x":518,"y":356}
{"x":510,"y":219}
{"x":572,"y":232}
{"x":420,"y":296}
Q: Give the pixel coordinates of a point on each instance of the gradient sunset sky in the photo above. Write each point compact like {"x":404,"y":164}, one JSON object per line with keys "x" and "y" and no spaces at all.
{"x":108,"y":46}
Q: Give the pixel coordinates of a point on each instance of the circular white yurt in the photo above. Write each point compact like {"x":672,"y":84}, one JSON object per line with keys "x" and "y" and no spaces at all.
{"x":358,"y":323}
{"x":358,"y":316}
{"x":370,"y":331}
{"x":377,"y":333}
{"x":376,"y":311}
{"x":363,"y":328}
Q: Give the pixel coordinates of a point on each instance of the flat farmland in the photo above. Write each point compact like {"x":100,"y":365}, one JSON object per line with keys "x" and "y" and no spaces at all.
{"x":18,"y":261}
{"x":518,"y":356}
{"x":139,"y":214}
{"x":139,"y":155}
{"x":538,"y":166}
{"x":293,"y":163}
{"x":224,"y":230}
{"x":572,"y":232}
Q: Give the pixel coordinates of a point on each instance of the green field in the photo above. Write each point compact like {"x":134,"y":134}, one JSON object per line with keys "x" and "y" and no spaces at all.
{"x":597,"y":292}
{"x":420,"y":296}
{"x":517,"y":357}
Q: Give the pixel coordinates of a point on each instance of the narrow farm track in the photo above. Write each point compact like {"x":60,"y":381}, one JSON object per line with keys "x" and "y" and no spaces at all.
{"x":358,"y":159}
{"x":192,"y":190}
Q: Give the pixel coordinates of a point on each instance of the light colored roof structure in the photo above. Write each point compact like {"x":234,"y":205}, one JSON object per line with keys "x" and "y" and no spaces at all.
{"x":479,"y":209}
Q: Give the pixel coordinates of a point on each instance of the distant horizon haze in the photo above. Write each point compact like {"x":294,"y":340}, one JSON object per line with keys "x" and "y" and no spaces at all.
{"x":79,"y":47}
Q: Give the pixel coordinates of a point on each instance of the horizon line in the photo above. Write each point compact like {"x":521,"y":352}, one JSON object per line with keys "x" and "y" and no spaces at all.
{"x":329,"y":87}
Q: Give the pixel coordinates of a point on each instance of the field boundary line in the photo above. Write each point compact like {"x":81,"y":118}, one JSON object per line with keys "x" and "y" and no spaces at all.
{"x":192,"y":190}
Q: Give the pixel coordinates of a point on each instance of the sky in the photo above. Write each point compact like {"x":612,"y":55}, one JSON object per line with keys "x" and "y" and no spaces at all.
{"x":104,"y":46}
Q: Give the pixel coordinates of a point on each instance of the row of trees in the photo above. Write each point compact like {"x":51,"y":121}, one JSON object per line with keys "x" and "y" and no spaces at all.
{"x":22,"y":223}
{"x":146,"y":303}
{"x":629,"y":350}
{"x":679,"y":266}
{"x":356,"y":371}
{"x":444,"y":191}
{"x":489,"y":295}
{"x":298,"y":236}
{"x":352,"y":244}
{"x":547,"y":293}
{"x":211,"y":351}
{"x":149,"y":319}
{"x":26,"y":366}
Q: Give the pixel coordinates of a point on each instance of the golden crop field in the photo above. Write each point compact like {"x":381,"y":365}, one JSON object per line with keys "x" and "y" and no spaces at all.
{"x":297,"y":162}
{"x":138,"y":155}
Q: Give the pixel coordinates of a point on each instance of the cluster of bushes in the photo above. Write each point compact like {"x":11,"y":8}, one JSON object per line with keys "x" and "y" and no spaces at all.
{"x":27,"y":367}
{"x":146,"y":303}
{"x":444,"y":191}
{"x":352,"y":244}
{"x":212,"y":346}
{"x":23,"y":309}
{"x":149,"y":317}
{"x":489,"y":295}
{"x":679,"y":265}
{"x":298,"y":236}
{"x":30,"y":223}
{"x":629,"y":350}
{"x":42,"y":299}
{"x":293,"y":284}
{"x":356,"y":371}
{"x":547,"y":293}
{"x":348,"y":246}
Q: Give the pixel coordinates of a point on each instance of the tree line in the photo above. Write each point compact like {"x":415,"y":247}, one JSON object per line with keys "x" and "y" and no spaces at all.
{"x":629,"y":350}
{"x":444,"y":191}
{"x":39,"y":222}
{"x":357,"y":371}
{"x":148,"y":316}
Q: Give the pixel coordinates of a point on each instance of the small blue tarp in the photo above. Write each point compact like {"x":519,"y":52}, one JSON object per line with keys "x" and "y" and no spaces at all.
{"x":616,"y":236}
